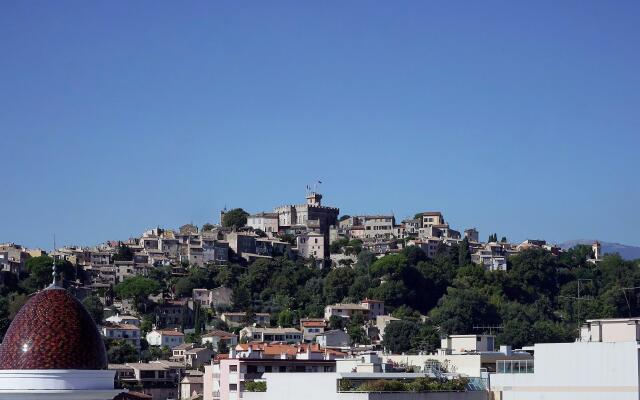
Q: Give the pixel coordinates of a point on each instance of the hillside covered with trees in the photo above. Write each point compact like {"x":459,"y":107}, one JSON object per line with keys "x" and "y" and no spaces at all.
{"x":541,"y":298}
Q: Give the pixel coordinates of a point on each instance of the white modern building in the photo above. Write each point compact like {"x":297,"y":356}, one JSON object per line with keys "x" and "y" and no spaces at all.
{"x":468,"y":355}
{"x":258,"y":334}
{"x":125,"y":332}
{"x":603,"y":364}
{"x":356,"y":371}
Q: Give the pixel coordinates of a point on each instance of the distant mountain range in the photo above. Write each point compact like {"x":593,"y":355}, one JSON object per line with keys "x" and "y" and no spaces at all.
{"x":625,"y":251}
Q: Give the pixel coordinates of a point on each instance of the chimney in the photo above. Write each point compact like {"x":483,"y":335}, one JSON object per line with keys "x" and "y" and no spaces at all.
{"x":506,"y":350}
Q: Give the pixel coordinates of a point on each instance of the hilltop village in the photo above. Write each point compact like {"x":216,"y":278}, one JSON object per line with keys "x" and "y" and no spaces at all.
{"x":362,"y":303}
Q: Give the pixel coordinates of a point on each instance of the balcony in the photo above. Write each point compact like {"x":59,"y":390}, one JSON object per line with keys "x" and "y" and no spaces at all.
{"x":514,"y":367}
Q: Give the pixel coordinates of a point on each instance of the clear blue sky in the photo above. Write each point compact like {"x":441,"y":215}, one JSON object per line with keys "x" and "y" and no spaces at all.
{"x":523,"y":119}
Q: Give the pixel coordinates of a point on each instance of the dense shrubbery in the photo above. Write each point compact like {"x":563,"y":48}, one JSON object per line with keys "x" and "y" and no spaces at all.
{"x":255,"y":386}
{"x":425,"y":384}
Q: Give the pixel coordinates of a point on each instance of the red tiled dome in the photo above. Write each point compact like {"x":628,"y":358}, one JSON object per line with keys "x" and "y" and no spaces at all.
{"x":53,"y":330}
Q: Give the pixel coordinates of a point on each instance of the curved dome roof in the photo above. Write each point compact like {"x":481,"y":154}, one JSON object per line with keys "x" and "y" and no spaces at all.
{"x":53,"y":330}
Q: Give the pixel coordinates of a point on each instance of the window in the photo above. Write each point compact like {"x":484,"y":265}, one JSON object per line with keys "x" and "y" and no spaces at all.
{"x":233,"y":368}
{"x":233,"y":387}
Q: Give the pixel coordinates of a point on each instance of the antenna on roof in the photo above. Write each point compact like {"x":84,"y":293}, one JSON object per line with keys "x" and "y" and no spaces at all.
{"x":491,"y":328}
{"x":54,"y":272}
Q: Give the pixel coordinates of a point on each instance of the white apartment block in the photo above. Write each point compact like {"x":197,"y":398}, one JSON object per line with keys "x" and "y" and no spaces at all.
{"x":125,"y":332}
{"x":470,"y":355}
{"x":326,"y":385}
{"x":603,"y":364}
{"x":269,"y":335}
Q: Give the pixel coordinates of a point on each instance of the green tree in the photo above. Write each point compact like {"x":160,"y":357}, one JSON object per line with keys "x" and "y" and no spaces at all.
{"x":360,"y":287}
{"x":413,"y":255}
{"x":16,"y":301}
{"x":40,"y":269}
{"x":255,"y":386}
{"x":285,"y":318}
{"x":464,"y":255}
{"x":200,"y":319}
{"x":192,"y":337}
{"x":184,"y":287}
{"x":120,"y":352}
{"x":534,"y":272}
{"x":208,"y":227}
{"x":356,"y":330}
{"x":336,"y":246}
{"x":337,"y":284}
{"x":460,"y":310}
{"x":398,"y":334}
{"x":427,"y":339}
{"x":406,"y":313}
{"x":155,"y":353}
{"x":10,"y":283}
{"x":147,"y":323}
{"x":354,"y":246}
{"x":336,"y":322}
{"x":236,"y":217}
{"x":136,"y":288}
{"x":357,"y":334}
{"x":289,"y":238}
{"x":95,"y":308}
{"x":392,"y":265}
{"x":123,"y":253}
{"x":241,"y":298}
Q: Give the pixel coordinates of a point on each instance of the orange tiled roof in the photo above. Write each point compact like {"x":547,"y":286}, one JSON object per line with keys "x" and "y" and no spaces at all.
{"x":313,"y":324}
{"x":276,"y":349}
{"x":218,"y":333}
{"x":170,"y":333}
